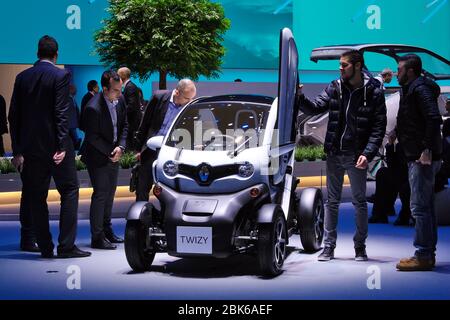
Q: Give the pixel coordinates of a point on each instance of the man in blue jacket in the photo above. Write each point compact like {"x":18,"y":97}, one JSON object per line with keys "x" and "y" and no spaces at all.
{"x":418,"y":130}
{"x":356,"y":127}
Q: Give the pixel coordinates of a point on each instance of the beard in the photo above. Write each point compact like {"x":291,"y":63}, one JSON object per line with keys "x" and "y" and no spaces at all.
{"x":348,"y":75}
{"x":402,"y":80}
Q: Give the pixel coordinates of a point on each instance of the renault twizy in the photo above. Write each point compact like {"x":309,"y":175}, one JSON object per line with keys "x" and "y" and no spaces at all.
{"x":224,"y":181}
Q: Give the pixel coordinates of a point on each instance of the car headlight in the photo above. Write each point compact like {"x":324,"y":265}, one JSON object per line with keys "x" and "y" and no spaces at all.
{"x":170,"y":168}
{"x":246,"y":170}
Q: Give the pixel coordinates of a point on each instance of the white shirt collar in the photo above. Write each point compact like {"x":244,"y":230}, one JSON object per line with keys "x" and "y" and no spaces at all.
{"x":171,"y":96}
{"x":110,"y":103}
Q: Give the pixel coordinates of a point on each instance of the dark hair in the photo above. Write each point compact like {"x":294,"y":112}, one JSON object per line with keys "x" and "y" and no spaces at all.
{"x":412,"y":61}
{"x":354,"y":56}
{"x":47,"y":47}
{"x":91,"y":85}
{"x":107,"y":76}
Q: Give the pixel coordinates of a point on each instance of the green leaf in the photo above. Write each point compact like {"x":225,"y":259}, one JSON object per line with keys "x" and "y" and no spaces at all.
{"x":183,"y":37}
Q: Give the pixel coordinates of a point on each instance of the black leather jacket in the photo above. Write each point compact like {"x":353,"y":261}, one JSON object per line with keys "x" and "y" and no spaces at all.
{"x":419,"y":120}
{"x":357,"y":118}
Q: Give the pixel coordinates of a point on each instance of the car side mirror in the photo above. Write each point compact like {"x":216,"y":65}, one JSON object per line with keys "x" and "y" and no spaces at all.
{"x":155,"y":143}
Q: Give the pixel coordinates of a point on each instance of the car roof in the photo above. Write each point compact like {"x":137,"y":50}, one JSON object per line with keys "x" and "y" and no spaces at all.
{"x":392,"y":50}
{"x":237,"y":98}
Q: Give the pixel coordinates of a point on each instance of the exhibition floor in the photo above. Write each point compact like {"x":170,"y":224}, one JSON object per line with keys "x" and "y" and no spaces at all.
{"x":107,"y":275}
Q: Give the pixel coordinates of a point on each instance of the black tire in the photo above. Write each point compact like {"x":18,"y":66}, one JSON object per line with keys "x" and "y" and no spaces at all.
{"x":139,"y":258}
{"x":310,"y":215}
{"x":272,"y":241}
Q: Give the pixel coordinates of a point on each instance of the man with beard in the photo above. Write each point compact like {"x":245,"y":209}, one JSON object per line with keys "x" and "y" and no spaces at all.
{"x":418,"y":130}
{"x":356,"y":127}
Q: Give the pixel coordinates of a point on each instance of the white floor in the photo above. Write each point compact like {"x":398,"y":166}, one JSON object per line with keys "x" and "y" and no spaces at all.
{"x":106,"y":274}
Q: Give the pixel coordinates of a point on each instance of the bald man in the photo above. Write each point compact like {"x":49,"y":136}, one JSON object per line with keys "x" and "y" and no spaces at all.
{"x":131,"y":95}
{"x":161,"y":111}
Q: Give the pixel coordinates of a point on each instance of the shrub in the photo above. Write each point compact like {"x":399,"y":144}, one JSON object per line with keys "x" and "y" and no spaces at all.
{"x":79,"y":164}
{"x":6,"y":166}
{"x":310,"y":153}
{"x":128,"y":160}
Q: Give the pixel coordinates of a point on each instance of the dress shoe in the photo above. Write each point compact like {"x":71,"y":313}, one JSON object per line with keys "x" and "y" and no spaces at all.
{"x":74,"y":253}
{"x":111,"y":237}
{"x":102,"y":244}
{"x":29,"y":247}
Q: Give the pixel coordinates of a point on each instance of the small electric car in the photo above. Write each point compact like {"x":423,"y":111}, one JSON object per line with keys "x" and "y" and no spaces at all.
{"x":225,"y":181}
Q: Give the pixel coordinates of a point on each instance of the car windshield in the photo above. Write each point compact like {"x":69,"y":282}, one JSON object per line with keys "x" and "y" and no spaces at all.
{"x":219,"y":126}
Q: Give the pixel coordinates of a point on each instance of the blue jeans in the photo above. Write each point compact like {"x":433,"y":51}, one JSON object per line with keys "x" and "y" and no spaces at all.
{"x":421,"y":181}
{"x":336,"y":167}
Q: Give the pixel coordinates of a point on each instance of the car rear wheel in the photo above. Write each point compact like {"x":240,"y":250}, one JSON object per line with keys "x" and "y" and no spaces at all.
{"x":272,"y":241}
{"x":139,"y":257}
{"x":310,"y":215}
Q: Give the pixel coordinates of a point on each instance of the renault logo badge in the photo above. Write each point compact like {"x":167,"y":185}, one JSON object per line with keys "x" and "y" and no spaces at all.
{"x":204,"y":172}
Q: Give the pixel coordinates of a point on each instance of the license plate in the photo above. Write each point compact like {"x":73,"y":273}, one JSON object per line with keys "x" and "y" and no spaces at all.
{"x":200,"y":206}
{"x":194,"y":240}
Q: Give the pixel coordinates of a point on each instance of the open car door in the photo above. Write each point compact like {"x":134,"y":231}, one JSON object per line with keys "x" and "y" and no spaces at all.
{"x":287,"y":85}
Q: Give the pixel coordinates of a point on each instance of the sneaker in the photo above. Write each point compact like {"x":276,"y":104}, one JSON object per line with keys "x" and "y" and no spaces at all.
{"x":327,"y":254}
{"x":360,"y":254}
{"x":415,"y":264}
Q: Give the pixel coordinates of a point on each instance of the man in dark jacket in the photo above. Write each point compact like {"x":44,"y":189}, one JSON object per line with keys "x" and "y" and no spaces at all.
{"x":131,"y":95}
{"x":105,"y":124}
{"x":158,"y":117}
{"x":356,"y":127}
{"x":418,"y":130}
{"x":42,"y":148}
{"x":93,"y":89}
{"x":390,"y":182}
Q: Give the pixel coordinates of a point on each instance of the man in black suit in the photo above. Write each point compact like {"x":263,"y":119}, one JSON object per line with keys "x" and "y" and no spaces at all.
{"x":93,"y":89}
{"x":132,"y":99}
{"x":158,"y":117}
{"x":105,"y":124}
{"x":42,"y":148}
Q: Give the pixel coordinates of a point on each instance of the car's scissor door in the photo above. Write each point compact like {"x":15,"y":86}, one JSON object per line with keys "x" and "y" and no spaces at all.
{"x":287,"y":86}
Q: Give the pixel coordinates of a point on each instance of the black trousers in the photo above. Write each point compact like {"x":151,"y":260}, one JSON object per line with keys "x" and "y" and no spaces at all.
{"x":145,"y":177}
{"x":134,"y":119}
{"x":104,"y":182}
{"x":27,"y":233}
{"x":36,"y":175}
{"x":388,"y":185}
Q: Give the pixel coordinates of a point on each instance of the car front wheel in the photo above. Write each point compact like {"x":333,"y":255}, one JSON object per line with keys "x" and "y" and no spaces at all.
{"x":272,"y":241}
{"x":139,"y":256}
